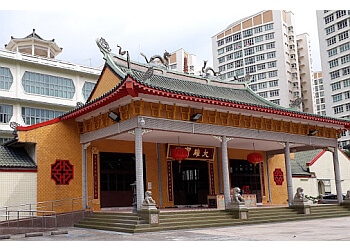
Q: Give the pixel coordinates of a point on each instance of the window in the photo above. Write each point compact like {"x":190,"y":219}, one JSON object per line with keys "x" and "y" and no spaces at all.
{"x":228,"y":39}
{"x":343,"y":35}
{"x":259,"y":48}
{"x":236,"y":37}
{"x":87,"y":89}
{"x":238,"y":54}
{"x":273,"y":73}
{"x":221,"y":42}
{"x":247,"y":33}
{"x":340,"y":13}
{"x":273,"y":83}
{"x":5,"y":113}
{"x":260,"y":57}
{"x":260,"y":66}
{"x":239,"y":72}
{"x":330,"y":30}
{"x":333,"y":63}
{"x":269,"y":26}
{"x":342,"y":24}
{"x":221,"y":59}
{"x":344,"y":47}
{"x":277,"y":101}
{"x":222,"y":68}
{"x":346,"y":83}
{"x":237,"y":45}
{"x":239,"y":63}
{"x":335,"y":74}
{"x":250,"y":60}
{"x":33,"y":116}
{"x":230,"y":74}
{"x":272,"y":64}
{"x":248,"y":52}
{"x":345,"y":59}
{"x":337,"y":98}
{"x":336,"y":86}
{"x":332,"y":52}
{"x":36,"y":83}
{"x":259,"y":39}
{"x":248,"y":42}
{"x":258,"y":30}
{"x":271,"y":55}
{"x":253,"y":87}
{"x":346,"y":71}
{"x":229,"y":57}
{"x":230,"y":65}
{"x":338,"y":109}
{"x":347,"y":106}
{"x":261,"y":76}
{"x":221,"y":51}
{"x":5,"y":78}
{"x":269,"y":36}
{"x":347,"y":94}
{"x":263,"y":94}
{"x":262,"y":85}
{"x":274,"y":93}
{"x":329,"y":19}
{"x":270,"y":45}
{"x":229,"y":48}
{"x":250,"y":69}
{"x":331,"y":41}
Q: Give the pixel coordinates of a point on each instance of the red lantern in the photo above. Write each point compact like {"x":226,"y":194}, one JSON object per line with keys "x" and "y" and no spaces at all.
{"x":179,"y":154}
{"x":254,"y":158}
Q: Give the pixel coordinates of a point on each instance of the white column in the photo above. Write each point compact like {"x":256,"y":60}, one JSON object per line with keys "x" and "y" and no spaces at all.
{"x":288,"y":173}
{"x":139,"y":168}
{"x":225,"y":172}
{"x":337,"y":175}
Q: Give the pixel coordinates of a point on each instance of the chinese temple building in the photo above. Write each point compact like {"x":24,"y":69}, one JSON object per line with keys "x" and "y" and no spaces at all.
{"x":183,"y":137}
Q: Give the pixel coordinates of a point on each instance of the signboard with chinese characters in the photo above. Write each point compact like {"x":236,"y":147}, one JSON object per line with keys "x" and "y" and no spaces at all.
{"x":194,"y":152}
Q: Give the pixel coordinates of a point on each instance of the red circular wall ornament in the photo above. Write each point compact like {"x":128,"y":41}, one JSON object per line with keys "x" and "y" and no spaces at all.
{"x":278,"y":176}
{"x":179,"y":154}
{"x":254,"y":158}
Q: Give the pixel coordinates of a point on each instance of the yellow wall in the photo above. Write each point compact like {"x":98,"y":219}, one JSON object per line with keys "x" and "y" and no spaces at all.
{"x":57,"y":141}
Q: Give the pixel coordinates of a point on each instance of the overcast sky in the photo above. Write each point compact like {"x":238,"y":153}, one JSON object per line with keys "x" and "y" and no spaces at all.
{"x":145,"y":26}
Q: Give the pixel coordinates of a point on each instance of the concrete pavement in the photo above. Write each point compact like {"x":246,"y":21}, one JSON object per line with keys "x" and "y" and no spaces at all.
{"x":335,"y":229}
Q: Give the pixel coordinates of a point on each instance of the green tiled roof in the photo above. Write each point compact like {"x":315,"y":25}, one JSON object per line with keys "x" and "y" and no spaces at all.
{"x":15,"y":157}
{"x":298,"y":164}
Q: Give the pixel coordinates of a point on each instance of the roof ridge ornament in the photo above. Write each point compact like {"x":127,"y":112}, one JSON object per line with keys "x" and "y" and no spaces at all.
{"x":164,"y":60}
{"x":123,"y":53}
{"x":205,"y":71}
{"x":102,"y":44}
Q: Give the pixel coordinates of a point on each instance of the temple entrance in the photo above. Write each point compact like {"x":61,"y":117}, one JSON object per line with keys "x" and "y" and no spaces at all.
{"x":191,"y":182}
{"x":246,"y":176}
{"x":117,"y":172}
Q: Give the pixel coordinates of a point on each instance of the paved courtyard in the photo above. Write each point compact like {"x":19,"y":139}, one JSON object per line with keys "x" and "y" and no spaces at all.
{"x":337,"y":229}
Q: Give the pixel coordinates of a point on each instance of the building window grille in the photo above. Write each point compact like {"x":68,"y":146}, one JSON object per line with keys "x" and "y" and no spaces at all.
{"x":6,"y":112}
{"x":330,"y":30}
{"x":343,"y":35}
{"x":6,"y":78}
{"x":269,"y":36}
{"x":336,"y":86}
{"x":247,"y":33}
{"x":269,"y":26}
{"x":335,"y":74}
{"x":48,"y":85}
{"x":329,"y":19}
{"x":342,"y":24}
{"x":270,"y":45}
{"x":33,"y":116}
{"x":332,"y":52}
{"x":333,"y":63}
{"x":340,"y":13}
{"x":87,"y":89}
{"x":337,"y":98}
{"x":331,"y":41}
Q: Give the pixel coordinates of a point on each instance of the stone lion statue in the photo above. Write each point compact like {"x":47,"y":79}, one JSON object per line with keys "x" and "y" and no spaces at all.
{"x":299,"y":196}
{"x":148,"y":199}
{"x":236,"y":197}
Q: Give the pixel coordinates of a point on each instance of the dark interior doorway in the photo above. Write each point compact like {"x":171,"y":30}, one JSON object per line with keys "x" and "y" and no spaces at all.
{"x":117,"y":172}
{"x":191,"y":182}
{"x":243,"y":173}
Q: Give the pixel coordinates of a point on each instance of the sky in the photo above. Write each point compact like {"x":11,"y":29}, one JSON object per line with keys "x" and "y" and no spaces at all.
{"x":149,"y":26}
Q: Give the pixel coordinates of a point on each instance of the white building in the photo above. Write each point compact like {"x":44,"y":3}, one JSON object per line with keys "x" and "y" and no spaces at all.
{"x":36,"y":87}
{"x":319,"y":94}
{"x":333,"y":33}
{"x":264,"y":46}
{"x":314,"y":172}
{"x":182,"y":61}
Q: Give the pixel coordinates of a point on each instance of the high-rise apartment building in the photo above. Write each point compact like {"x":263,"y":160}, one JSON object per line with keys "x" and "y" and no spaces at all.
{"x":182,"y":61}
{"x":318,"y":89}
{"x":35,"y":86}
{"x":333,"y":33}
{"x":264,"y":47}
